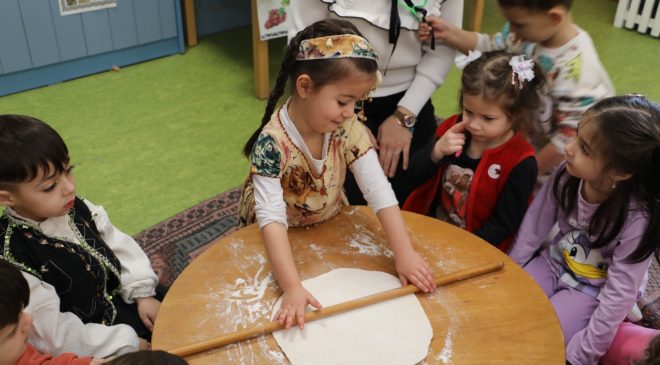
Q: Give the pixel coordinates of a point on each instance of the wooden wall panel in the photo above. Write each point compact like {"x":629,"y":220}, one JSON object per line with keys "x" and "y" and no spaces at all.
{"x":14,"y":51}
{"x":148,"y":28}
{"x":40,"y":32}
{"x":98,"y":36}
{"x":122,"y":24}
{"x":69,"y":32}
{"x":168,"y":27}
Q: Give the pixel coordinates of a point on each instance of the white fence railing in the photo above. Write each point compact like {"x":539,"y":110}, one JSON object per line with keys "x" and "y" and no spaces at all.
{"x":645,"y":14}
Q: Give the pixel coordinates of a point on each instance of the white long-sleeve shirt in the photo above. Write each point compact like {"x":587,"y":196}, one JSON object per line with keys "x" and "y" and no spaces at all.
{"x":269,"y":195}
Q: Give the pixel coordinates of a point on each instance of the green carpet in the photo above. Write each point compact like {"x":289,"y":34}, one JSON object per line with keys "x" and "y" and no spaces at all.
{"x":156,"y":138}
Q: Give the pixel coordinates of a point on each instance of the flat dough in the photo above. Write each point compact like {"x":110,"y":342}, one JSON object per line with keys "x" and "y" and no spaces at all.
{"x":396,"y":331}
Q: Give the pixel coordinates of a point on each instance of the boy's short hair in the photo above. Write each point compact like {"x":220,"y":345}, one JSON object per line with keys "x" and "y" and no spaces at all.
{"x":535,"y":4}
{"x":14,"y":293}
{"x":27,"y":146}
{"x":147,"y":358}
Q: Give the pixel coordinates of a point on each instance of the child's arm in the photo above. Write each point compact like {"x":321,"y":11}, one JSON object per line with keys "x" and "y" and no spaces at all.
{"x":616,"y":298}
{"x":409,"y":264}
{"x":511,"y":203}
{"x":448,"y":34}
{"x":138,"y":279}
{"x":56,"y":332}
{"x":541,"y":216}
{"x":270,"y":210}
{"x":378,"y":193}
{"x":295,"y":298}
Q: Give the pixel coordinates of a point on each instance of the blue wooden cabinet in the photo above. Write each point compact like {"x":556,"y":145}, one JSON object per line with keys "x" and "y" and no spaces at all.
{"x":39,"y":47}
{"x":217,"y":15}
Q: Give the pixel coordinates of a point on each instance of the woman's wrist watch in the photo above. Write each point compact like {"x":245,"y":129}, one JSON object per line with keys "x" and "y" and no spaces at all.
{"x":405,"y":120}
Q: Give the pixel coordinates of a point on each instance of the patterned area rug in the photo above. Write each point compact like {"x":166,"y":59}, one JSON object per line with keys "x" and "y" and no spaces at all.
{"x":650,"y":302}
{"x":173,"y":243}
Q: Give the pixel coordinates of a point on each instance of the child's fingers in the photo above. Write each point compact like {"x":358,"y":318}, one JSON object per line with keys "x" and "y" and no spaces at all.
{"x":403,"y":279}
{"x":147,"y":321}
{"x":281,"y":316}
{"x":315,"y":303}
{"x":421,"y":282}
{"x":289,"y":320}
{"x":300,"y":317}
{"x":458,"y":127}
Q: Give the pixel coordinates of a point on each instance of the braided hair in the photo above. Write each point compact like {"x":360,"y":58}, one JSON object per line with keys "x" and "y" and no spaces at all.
{"x":321,"y":71}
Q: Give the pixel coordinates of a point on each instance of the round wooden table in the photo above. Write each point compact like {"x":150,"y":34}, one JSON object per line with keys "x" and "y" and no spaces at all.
{"x":498,"y":318}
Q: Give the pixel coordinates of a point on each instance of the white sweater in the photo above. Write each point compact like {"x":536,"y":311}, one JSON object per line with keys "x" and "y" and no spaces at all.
{"x":414,"y":67}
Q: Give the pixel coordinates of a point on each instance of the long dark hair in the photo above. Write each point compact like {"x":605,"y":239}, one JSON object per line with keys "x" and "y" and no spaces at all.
{"x":322,"y":71}
{"x":628,"y":141}
{"x":490,"y":77}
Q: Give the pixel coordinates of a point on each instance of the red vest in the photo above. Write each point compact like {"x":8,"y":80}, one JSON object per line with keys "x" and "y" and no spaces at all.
{"x":488,"y":182}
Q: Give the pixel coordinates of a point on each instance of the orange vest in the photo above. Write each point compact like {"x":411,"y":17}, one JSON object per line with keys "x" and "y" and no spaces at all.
{"x":489,"y":180}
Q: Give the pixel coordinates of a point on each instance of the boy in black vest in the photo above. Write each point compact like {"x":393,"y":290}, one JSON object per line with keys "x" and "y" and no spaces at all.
{"x":92,"y":287}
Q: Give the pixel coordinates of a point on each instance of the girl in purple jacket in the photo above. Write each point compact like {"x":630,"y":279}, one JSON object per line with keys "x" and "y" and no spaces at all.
{"x":605,"y":202}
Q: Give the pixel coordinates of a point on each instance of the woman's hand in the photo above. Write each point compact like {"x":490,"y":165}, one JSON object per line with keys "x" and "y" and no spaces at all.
{"x":294,"y":302}
{"x":451,"y":142}
{"x":413,"y":268}
{"x":148,"y":309}
{"x":393,"y":142}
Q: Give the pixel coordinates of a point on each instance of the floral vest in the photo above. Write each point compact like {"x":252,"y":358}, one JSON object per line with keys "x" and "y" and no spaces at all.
{"x":85,"y":274}
{"x":489,"y":180}
{"x":309,"y":197}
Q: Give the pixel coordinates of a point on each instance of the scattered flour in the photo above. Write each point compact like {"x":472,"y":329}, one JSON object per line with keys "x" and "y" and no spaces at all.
{"x":364,"y":243}
{"x":243,"y":303}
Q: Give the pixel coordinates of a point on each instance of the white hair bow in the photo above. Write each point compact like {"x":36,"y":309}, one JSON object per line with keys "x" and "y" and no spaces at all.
{"x":463,"y":60}
{"x":523,"y":68}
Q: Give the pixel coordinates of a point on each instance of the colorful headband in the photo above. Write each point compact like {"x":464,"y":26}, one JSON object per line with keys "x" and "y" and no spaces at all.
{"x":336,"y":46}
{"x":523,"y":68}
{"x":463,"y":60}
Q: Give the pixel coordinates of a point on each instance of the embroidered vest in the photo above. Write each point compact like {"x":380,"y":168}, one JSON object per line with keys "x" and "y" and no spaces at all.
{"x":488,"y":182}
{"x":310,"y":198}
{"x":85,"y":274}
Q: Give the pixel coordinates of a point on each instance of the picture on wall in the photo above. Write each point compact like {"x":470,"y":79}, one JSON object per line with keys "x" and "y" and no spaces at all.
{"x":272,"y":18}
{"x":68,"y":7}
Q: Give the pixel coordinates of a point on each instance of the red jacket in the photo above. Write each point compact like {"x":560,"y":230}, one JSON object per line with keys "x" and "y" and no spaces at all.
{"x":488,"y":182}
{"x":33,"y":357}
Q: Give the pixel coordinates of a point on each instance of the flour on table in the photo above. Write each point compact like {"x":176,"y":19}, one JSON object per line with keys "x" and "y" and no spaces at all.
{"x":365,"y":245}
{"x":396,"y":331}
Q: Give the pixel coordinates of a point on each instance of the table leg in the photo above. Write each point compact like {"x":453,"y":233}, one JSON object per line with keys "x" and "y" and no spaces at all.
{"x":259,"y":57}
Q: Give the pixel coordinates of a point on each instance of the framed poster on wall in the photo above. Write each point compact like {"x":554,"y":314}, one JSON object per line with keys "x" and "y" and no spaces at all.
{"x":68,"y":7}
{"x":272,"y":15}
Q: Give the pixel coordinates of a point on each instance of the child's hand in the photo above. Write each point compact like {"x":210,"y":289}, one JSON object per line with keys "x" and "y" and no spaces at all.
{"x":441,"y":29}
{"x":144,"y":344}
{"x":294,"y":302}
{"x":412,"y":267}
{"x":148,"y":309}
{"x":451,"y":142}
